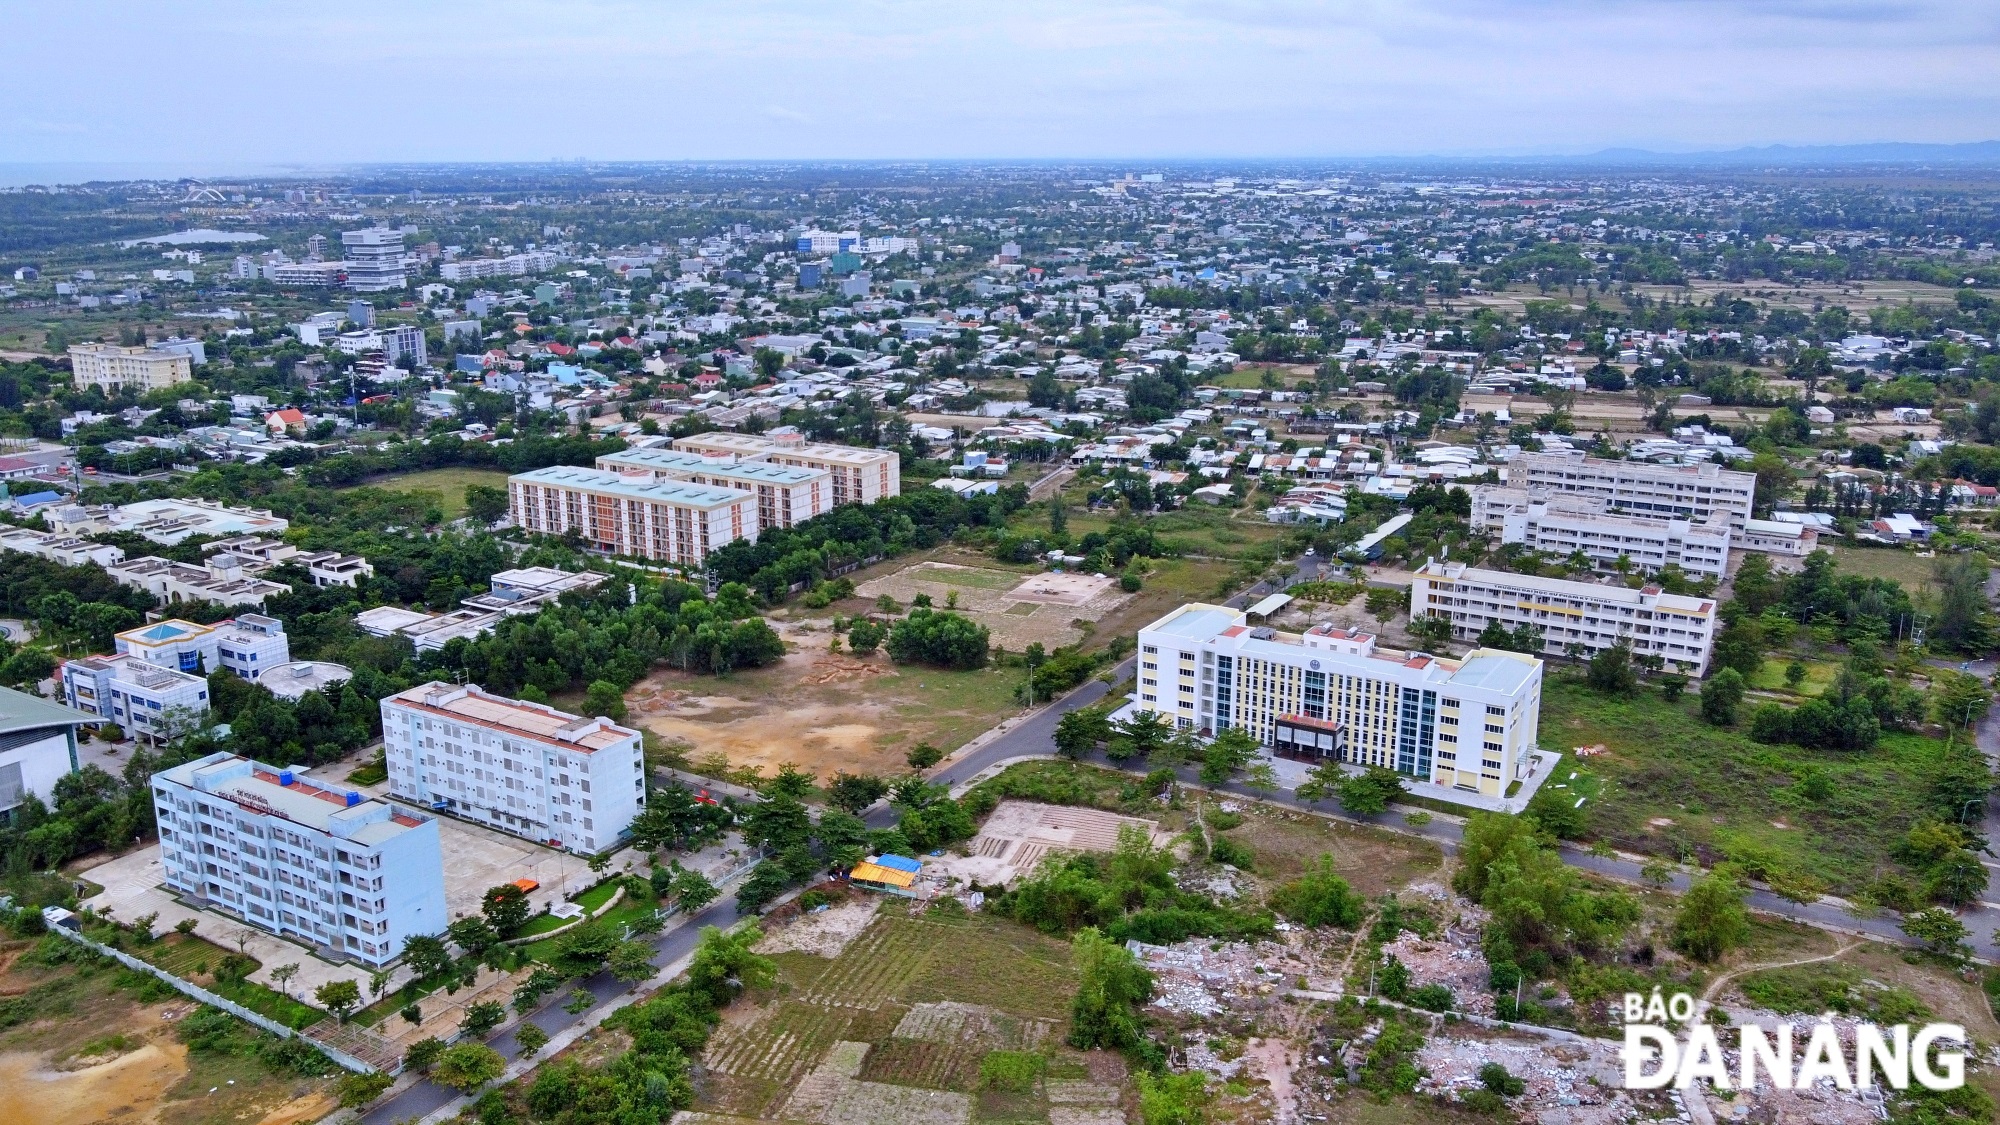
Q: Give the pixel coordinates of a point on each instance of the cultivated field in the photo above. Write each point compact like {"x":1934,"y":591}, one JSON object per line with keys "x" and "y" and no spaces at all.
{"x":894,"y":1026}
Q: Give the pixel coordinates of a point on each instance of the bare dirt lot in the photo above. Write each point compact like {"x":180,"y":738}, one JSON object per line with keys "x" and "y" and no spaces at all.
{"x":821,"y":710}
{"x":1018,"y":609}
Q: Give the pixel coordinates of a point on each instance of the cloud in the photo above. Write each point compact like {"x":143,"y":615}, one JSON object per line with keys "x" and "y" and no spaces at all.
{"x":507,"y":79}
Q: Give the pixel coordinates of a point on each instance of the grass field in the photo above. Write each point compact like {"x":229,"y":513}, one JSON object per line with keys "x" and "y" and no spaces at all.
{"x":1676,"y":787}
{"x":1901,"y":567}
{"x":448,"y":484}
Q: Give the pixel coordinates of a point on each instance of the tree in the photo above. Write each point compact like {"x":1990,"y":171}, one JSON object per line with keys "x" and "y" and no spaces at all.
{"x":692,"y":891}
{"x":1320,"y":897}
{"x":1961,"y":619}
{"x":423,"y":1054}
{"x":1261,"y":778}
{"x":1146,"y":730}
{"x":865,"y":636}
{"x":1368,"y":793}
{"x":356,"y":1090}
{"x":426,"y":955}
{"x":1938,"y":929}
{"x":583,"y":950}
{"x":604,"y":698}
{"x":941,"y":639}
{"x":530,"y":1038}
{"x":724,"y":964}
{"x":923,"y":756}
{"x":632,"y":962}
{"x":283,"y":974}
{"x":506,"y":909}
{"x":465,"y":1067}
{"x":853,"y":793}
{"x":1433,"y":632}
{"x":1711,"y":920}
{"x":1229,"y":751}
{"x":1611,"y":670}
{"x":472,"y":934}
{"x":1111,"y":987}
{"x":1672,"y":685}
{"x":485,"y":504}
{"x":1078,"y":733}
{"x":1721,"y":696}
{"x":338,"y":997}
{"x":413,"y":1014}
{"x":483,"y":1017}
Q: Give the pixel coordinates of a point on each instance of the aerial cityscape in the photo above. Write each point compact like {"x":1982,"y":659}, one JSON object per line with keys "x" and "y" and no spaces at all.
{"x":1143,"y":630}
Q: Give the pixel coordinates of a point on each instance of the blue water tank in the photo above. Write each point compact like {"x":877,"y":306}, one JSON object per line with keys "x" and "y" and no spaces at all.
{"x":284,"y":777}
{"x":353,"y":799}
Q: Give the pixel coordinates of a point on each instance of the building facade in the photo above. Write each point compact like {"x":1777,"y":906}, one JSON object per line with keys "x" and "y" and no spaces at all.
{"x":1330,"y":693}
{"x":37,"y":748}
{"x":1678,"y":629}
{"x":1690,"y":492}
{"x":786,"y":494}
{"x":669,"y":521}
{"x":858,"y":476}
{"x":355,"y":879}
{"x":374,"y":259}
{"x":246,"y":645}
{"x":113,"y":368}
{"x":1561,"y":525}
{"x":150,"y":702}
{"x":517,"y":767}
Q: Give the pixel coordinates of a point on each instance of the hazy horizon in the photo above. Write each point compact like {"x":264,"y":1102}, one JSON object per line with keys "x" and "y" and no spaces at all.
{"x":224,"y":85}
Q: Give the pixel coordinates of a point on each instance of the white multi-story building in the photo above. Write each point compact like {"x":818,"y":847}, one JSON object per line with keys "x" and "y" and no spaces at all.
{"x":1331,"y":693}
{"x":1796,"y":540}
{"x":353,"y":878}
{"x":246,"y":645}
{"x":1561,"y":525}
{"x":1677,"y":628}
{"x":514,"y":766}
{"x":1690,"y":492}
{"x":669,"y":520}
{"x":786,"y":494}
{"x":147,"y":700}
{"x":374,"y":259}
{"x":860,"y":476}
{"x":112,"y":368}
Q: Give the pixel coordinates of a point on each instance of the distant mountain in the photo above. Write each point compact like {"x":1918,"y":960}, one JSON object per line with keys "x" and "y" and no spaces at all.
{"x":1974,"y":153}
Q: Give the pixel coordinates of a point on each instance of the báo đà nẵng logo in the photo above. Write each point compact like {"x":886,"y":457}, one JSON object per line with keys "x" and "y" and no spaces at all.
{"x":1933,"y":1056}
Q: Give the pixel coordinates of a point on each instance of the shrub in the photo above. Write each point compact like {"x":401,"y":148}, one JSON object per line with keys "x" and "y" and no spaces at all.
{"x":1431,"y":998}
{"x":1226,"y":850}
{"x":1014,"y":1072}
{"x":360,"y":1089}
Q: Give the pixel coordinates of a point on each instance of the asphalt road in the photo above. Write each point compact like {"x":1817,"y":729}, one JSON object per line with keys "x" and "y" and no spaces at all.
{"x":426,"y":1096}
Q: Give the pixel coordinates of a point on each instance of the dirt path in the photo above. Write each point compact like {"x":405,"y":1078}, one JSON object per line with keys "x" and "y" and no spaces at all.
{"x":1714,"y":986}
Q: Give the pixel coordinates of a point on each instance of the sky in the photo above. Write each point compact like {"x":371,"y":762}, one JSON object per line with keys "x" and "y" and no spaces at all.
{"x":232,"y":85}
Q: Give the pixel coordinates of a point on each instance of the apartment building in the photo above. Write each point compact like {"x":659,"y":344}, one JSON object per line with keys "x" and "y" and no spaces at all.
{"x":1467,"y":724}
{"x":148,"y":701}
{"x":1563,"y":524}
{"x":374,"y":259}
{"x":246,"y":645}
{"x":114,"y":368}
{"x":225,"y":580}
{"x":786,"y":494}
{"x":517,"y":767}
{"x":354,"y":879}
{"x":1678,"y":629}
{"x":670,"y":521}
{"x":858,"y":476}
{"x":1692,"y":492}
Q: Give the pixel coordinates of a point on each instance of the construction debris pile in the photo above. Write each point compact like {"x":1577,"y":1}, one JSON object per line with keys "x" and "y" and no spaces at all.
{"x":1572,"y":1081}
{"x":1453,"y":960}
{"x":1190,"y":978}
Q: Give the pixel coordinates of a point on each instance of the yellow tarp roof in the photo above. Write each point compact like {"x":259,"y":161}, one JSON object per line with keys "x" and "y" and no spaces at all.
{"x":874,"y":873}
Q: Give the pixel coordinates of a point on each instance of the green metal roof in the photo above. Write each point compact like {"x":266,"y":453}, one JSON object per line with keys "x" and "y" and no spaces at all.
{"x":21,"y":711}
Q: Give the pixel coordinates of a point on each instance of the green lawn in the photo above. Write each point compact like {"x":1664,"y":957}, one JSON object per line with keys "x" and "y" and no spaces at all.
{"x":449,"y":484}
{"x":1676,"y":787}
{"x":1897,"y":565}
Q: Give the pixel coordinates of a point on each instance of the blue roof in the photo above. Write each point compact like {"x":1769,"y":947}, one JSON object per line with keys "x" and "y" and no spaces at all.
{"x":163,"y":631}
{"x":899,"y":863}
{"x":34,"y":499}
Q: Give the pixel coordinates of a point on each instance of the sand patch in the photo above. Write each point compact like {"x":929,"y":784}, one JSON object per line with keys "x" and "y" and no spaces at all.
{"x":825,"y":934}
{"x":128,"y":1088}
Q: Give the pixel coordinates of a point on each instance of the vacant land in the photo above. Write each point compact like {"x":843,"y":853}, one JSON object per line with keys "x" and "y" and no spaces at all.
{"x":1904,"y":568}
{"x":895,"y":1026}
{"x":86,"y":1043}
{"x":1018,"y":606}
{"x":448,"y":484}
{"x":1676,"y":787}
{"x":822,"y":710}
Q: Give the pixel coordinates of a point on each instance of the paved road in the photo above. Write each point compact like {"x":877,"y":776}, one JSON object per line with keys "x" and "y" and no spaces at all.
{"x":427,"y":1097}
